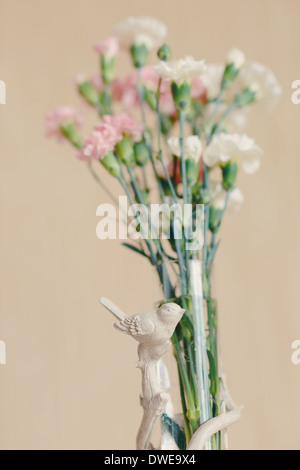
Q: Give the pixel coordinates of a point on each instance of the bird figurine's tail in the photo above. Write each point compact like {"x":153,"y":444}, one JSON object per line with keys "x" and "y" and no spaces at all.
{"x":114,"y":309}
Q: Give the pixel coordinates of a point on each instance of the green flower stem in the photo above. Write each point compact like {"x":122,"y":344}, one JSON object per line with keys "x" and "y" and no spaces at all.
{"x":183,"y":177}
{"x":140,"y":201}
{"x":205,"y":232}
{"x":182,"y":157}
{"x":158,"y":116}
{"x":170,"y":183}
{"x":191,"y":412}
{"x":216,"y":107}
{"x":232,"y":107}
{"x":182,"y":265}
{"x":145,"y":178}
{"x":101,"y":184}
{"x":107,"y":98}
{"x":200,"y":344}
{"x":141,"y":93}
{"x":214,"y":371}
{"x":156,"y":239}
{"x":140,"y":90}
{"x":184,"y":407}
{"x":189,"y":355}
{"x":214,"y":235}
{"x":148,"y":243}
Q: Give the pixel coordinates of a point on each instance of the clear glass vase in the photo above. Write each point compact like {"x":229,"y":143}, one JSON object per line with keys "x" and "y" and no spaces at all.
{"x":189,"y":372}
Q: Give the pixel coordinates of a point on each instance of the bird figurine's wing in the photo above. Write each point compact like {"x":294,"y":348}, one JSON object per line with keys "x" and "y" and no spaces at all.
{"x":135,"y":326}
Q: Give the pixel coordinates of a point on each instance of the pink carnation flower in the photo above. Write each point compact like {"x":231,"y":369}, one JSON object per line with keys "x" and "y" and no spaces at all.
{"x":125,"y":124}
{"x":197,"y":88}
{"x":59,"y":117}
{"x":97,"y":82}
{"x":150,"y":77}
{"x":166,"y":102}
{"x":102,"y":139}
{"x":108,"y":47}
{"x":125,"y":91}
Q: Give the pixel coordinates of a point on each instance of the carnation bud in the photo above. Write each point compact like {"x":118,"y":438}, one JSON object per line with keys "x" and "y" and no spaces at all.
{"x":215,"y":216}
{"x":181,"y":95}
{"x":202,"y":194}
{"x":144,"y":195}
{"x":139,"y":54}
{"x":166,"y":123}
{"x":124,"y":150}
{"x":164,"y":53}
{"x":107,"y":69}
{"x":235,"y":60}
{"x":89,"y":93}
{"x":151,"y":98}
{"x":110,"y":162}
{"x":245,"y":97}
{"x":141,"y":153}
{"x":230,"y":74}
{"x":71,"y":133}
{"x":192,"y":171}
{"x":229,"y":172}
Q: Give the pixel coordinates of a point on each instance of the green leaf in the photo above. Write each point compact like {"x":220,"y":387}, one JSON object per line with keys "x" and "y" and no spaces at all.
{"x":175,"y":430}
{"x":212,"y":253}
{"x":212,"y":373}
{"x":134,"y":248}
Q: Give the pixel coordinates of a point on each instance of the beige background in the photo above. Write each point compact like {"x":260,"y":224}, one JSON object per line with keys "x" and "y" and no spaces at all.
{"x":70,"y":380}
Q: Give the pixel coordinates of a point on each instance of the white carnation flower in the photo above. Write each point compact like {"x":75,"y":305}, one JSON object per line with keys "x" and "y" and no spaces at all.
{"x":236,"y":57}
{"x":192,"y":147}
{"x":235,"y":122}
{"x":141,"y":30}
{"x":218,"y":197}
{"x":181,"y":70}
{"x":236,"y":148}
{"x":212,"y":78}
{"x":261,"y":79}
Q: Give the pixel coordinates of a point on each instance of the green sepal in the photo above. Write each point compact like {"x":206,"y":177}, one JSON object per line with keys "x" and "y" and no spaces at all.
{"x":124,"y":150}
{"x":141,"y":153}
{"x":244,"y":98}
{"x":111,"y":163}
{"x":139,"y":54}
{"x":70,"y":131}
{"x":107,"y":69}
{"x":229,"y":172}
{"x":181,"y":95}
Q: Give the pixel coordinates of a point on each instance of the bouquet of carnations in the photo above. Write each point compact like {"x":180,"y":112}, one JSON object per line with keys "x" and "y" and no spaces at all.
{"x":168,"y":133}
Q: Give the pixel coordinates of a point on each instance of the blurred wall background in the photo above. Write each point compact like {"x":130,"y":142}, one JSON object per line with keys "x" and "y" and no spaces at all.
{"x":70,"y":380}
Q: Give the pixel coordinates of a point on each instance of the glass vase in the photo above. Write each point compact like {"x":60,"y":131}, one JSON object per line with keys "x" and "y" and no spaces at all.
{"x":189,"y":372}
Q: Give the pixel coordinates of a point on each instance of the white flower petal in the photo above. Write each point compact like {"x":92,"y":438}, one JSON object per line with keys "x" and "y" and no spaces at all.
{"x":141,"y":30}
{"x":180,"y":70}
{"x":262,"y":79}
{"x":236,"y":57}
{"x":236,"y":148}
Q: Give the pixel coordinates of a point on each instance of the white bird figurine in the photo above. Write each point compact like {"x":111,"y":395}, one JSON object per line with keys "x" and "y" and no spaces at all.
{"x":153,"y":330}
{"x":153,"y":326}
